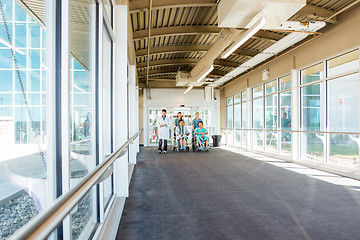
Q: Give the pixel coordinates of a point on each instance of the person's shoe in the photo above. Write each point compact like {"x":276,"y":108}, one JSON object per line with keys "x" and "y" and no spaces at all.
{"x":202,"y":147}
{"x":159,"y":151}
{"x":206,"y":148}
{"x":164,"y":152}
{"x":183,"y":148}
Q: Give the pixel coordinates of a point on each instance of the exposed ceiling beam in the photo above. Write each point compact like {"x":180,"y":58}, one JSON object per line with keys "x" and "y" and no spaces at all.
{"x":173,"y":71}
{"x":189,"y":48}
{"x":173,"y":49}
{"x":194,"y":30}
{"x":180,"y":61}
{"x":176,"y":30}
{"x":318,"y":13}
{"x":141,"y":5}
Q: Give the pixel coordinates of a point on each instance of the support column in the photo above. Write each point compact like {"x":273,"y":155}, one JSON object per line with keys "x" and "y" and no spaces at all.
{"x":249,"y":119}
{"x":120,"y":97}
{"x":295,"y":115}
{"x":133,"y":123}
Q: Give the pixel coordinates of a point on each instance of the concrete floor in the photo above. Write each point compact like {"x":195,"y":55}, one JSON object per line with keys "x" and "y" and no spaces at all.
{"x":224,"y":195}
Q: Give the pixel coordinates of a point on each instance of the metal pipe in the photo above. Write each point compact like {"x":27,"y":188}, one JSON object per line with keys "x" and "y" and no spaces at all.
{"x":45,"y":222}
{"x":149,"y":42}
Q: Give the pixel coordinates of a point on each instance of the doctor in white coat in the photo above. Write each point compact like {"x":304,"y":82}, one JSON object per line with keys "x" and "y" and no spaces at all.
{"x":163,"y":123}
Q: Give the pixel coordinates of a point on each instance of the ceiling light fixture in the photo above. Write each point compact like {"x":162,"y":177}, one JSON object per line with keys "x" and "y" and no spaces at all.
{"x":188,"y":89}
{"x":246,"y":36}
{"x":11,"y":46}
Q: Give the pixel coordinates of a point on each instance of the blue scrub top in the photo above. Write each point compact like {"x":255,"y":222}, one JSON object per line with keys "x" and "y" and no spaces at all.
{"x":203,"y":130}
{"x":195,"y":123}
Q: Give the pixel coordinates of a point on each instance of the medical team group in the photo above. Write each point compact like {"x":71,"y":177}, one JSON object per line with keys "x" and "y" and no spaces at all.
{"x":181,"y":133}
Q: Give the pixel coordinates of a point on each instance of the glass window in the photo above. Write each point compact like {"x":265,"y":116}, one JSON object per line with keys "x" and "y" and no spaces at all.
{"x":23,"y":135}
{"x":285,"y":82}
{"x":21,"y":59}
{"x":34,"y":40}
{"x":6,"y":99}
{"x":43,"y":41}
{"x":20,"y":35}
{"x":243,"y":115}
{"x":343,"y":116}
{"x":257,"y":91}
{"x":271,"y":87}
{"x":6,"y":60}
{"x":34,"y":59}
{"x":6,"y":112}
{"x":35,"y":99}
{"x":285,"y":121}
{"x":344,"y":63}
{"x":237,"y":98}
{"x":19,"y":99}
{"x":312,"y":107}
{"x":6,"y":81}
{"x":3,"y":33}
{"x":20,"y":14}
{"x":258,"y":113}
{"x":343,"y":100}
{"x":271,"y":112}
{"x":34,"y":81}
{"x":8,"y":7}
{"x":229,"y":100}
{"x":23,"y":80}
{"x":243,"y":96}
{"x":312,"y":74}
{"x":229,"y":117}
{"x":237,"y":116}
{"x":81,"y":116}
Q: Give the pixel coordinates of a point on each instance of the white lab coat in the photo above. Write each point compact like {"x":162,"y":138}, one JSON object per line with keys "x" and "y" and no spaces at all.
{"x":163,"y":132}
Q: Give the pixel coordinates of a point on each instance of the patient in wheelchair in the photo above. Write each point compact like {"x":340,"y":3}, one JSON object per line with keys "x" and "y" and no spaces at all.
{"x":181,"y":134}
{"x":201,"y":135}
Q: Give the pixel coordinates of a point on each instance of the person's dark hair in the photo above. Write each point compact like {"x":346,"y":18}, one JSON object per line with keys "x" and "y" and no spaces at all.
{"x":181,"y":120}
{"x":179,"y":112}
{"x":164,"y":110}
{"x":201,"y":122}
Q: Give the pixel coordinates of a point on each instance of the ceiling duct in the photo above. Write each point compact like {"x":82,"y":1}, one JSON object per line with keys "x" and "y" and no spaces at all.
{"x":271,"y":51}
{"x":245,"y":13}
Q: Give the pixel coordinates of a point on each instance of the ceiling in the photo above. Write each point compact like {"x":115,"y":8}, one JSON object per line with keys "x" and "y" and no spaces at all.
{"x":182,"y":32}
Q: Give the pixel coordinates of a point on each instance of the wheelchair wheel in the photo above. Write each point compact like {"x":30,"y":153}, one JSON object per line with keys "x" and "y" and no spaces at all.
{"x":187,"y":149}
{"x":174,"y":148}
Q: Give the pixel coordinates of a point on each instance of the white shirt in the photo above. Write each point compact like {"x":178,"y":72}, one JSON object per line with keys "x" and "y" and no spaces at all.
{"x":163,"y":131}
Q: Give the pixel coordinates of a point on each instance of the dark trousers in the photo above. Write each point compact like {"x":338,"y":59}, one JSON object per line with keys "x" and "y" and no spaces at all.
{"x":160,"y":144}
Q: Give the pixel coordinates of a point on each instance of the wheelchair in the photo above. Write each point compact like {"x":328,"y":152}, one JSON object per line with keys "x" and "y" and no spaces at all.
{"x":196,"y":146}
{"x":176,"y":144}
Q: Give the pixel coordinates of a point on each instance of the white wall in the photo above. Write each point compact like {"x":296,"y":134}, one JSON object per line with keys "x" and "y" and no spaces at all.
{"x":169,"y":98}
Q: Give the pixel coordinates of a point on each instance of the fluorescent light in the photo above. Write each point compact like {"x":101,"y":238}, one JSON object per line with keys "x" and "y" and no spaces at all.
{"x":246,"y":36}
{"x":206,"y":73}
{"x":188,"y":89}
{"x":11,"y":46}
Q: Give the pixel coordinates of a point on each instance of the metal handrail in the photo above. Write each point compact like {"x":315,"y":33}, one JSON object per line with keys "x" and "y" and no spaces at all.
{"x":291,"y":131}
{"x":45,"y":222}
